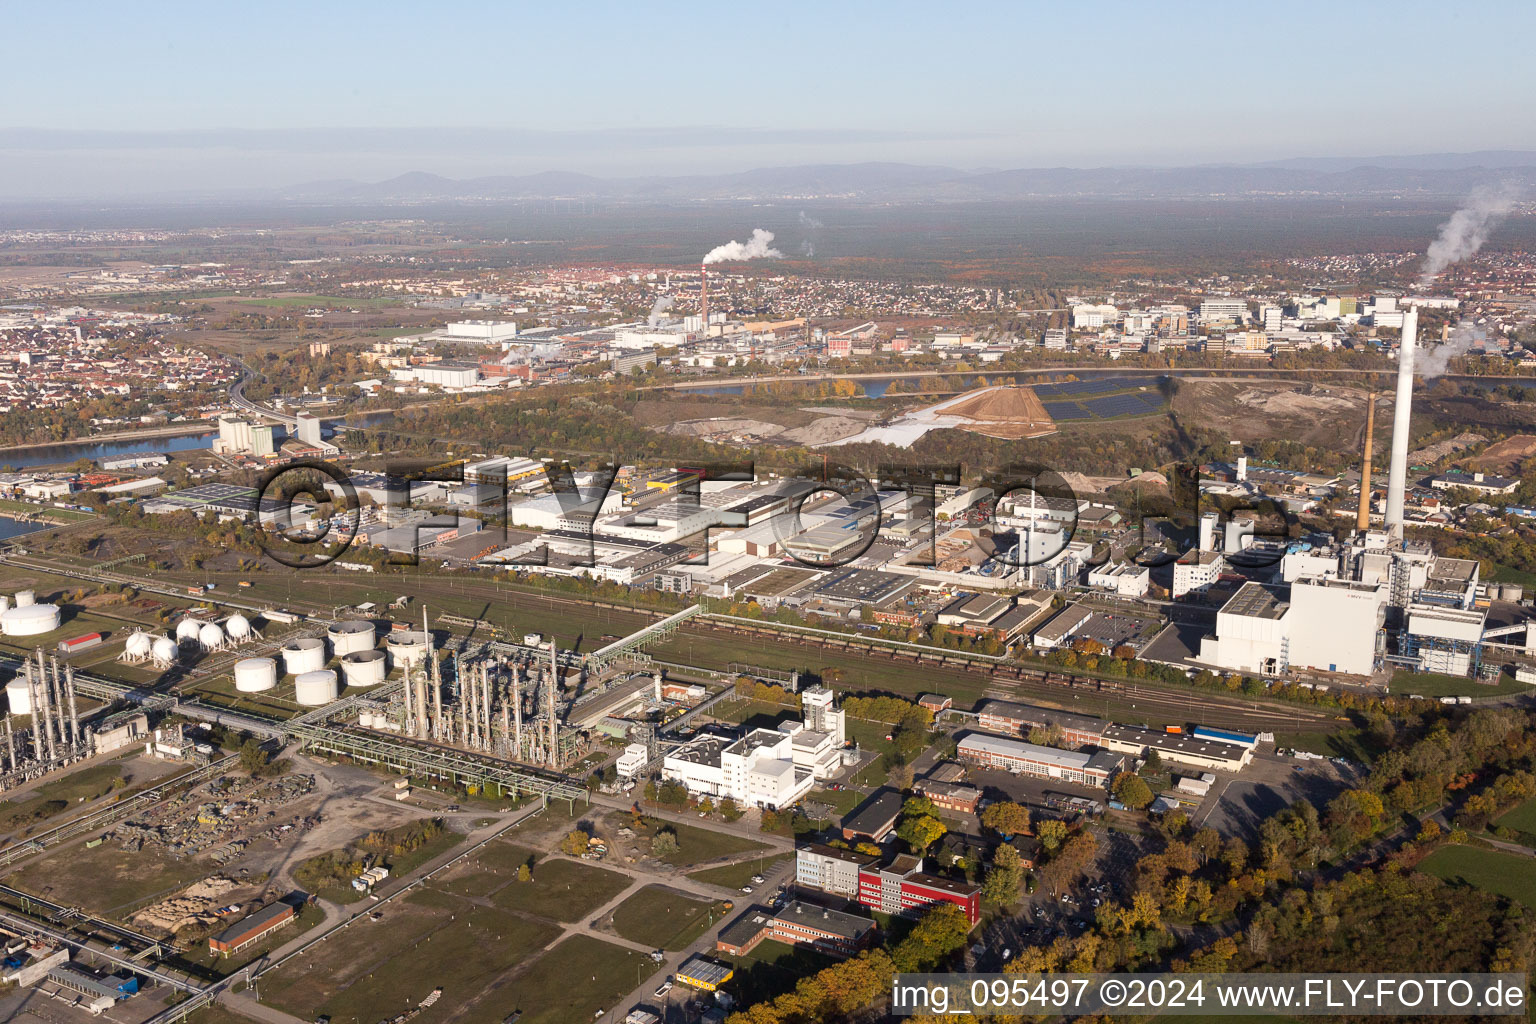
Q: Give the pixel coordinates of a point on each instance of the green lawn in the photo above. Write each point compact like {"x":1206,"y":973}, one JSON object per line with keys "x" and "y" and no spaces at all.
{"x":58,"y":796}
{"x":734,"y":876}
{"x":1521,"y":818}
{"x":1507,"y":874}
{"x":327,"y":301}
{"x":696,"y":845}
{"x":562,"y":890}
{"x":1431,"y":684}
{"x":202,"y":961}
{"x":570,"y":983}
{"x":664,"y":918}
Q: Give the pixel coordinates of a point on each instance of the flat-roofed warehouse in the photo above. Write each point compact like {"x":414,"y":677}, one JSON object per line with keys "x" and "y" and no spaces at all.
{"x":1014,"y":719}
{"x":1094,"y":769}
{"x":1177,"y":748}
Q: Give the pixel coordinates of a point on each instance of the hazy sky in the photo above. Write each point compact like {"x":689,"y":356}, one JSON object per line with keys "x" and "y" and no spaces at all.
{"x":125,"y":98}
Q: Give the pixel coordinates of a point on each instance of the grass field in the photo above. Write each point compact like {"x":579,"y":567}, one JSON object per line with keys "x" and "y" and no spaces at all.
{"x":108,"y":880}
{"x":1430,"y":684}
{"x":356,"y":974}
{"x":562,"y":890}
{"x":58,"y":796}
{"x":327,"y":301}
{"x":1507,"y":874}
{"x":734,"y":876}
{"x":664,"y":918}
{"x":1521,"y":818}
{"x":571,"y":982}
{"x":697,"y":845}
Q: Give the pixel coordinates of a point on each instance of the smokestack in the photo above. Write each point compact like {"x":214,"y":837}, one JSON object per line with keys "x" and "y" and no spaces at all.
{"x":1363,"y":518}
{"x":1402,"y":414}
{"x":704,"y":296}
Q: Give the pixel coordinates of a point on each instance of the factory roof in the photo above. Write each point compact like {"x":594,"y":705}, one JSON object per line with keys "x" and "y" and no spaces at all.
{"x":1071,"y":759}
{"x":1255,"y":601}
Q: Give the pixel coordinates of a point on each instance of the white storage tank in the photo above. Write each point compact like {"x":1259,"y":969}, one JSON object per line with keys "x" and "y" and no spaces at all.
{"x":5,"y":602}
{"x":188,"y":629}
{"x":163,"y":651}
{"x":139,"y":644}
{"x":19,"y":697}
{"x":25,"y":598}
{"x":30,"y":620}
{"x":211,"y":636}
{"x":364,"y":668}
{"x":407,"y":648}
{"x":306,"y":654}
{"x":238,"y":627}
{"x":313,"y":689}
{"x":350,"y":636}
{"x":253,"y":675}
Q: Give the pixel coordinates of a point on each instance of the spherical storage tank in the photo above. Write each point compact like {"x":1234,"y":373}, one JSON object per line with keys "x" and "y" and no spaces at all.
{"x":163,"y":650}
{"x":210,"y":636}
{"x":312,"y":689}
{"x":253,"y":675}
{"x":407,"y":648}
{"x":303,"y":655}
{"x":188,"y":629}
{"x":30,"y":620}
{"x":363,"y":668}
{"x":238,"y":627}
{"x":353,"y":635}
{"x":19,"y":697}
{"x":139,"y":644}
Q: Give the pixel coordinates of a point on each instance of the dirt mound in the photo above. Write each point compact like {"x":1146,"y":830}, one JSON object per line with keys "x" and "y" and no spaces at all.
{"x":1005,"y":412}
{"x":828,"y":428}
{"x":1151,"y":480}
{"x":1505,"y":457}
{"x":192,"y":905}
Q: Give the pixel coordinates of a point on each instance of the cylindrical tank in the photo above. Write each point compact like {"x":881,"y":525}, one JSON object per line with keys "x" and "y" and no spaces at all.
{"x":5,"y":602}
{"x":312,"y":689}
{"x":188,"y":629}
{"x":163,"y":650}
{"x":30,"y":620}
{"x":253,"y":675}
{"x":407,"y":649}
{"x":238,"y":627}
{"x":364,"y":668}
{"x":353,"y":635}
{"x":19,"y":697}
{"x":210,"y":636}
{"x":139,"y":644}
{"x":306,"y":654}
{"x":25,"y":598}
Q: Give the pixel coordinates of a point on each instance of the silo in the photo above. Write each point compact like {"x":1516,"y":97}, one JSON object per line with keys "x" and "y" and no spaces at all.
{"x":253,"y":675}
{"x":306,"y":654}
{"x":314,"y":689}
{"x":350,"y":636}
{"x":364,"y":668}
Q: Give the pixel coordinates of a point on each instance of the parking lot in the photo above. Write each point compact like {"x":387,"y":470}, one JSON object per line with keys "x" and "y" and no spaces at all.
{"x":1236,"y":805}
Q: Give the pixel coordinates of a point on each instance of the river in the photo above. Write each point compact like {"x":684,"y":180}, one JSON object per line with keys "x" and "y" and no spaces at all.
{"x":10,"y":527}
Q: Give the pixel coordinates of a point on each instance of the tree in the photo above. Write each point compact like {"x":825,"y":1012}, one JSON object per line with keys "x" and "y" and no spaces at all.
{"x":664,"y":842}
{"x":938,"y":934}
{"x":575,"y":842}
{"x":524,"y":872}
{"x":1001,"y":886}
{"x":252,"y":757}
{"x":920,"y":831}
{"x":1133,"y":791}
{"x":729,"y":810}
{"x":1051,"y":833}
{"x":1006,"y":818}
{"x":1153,"y":764}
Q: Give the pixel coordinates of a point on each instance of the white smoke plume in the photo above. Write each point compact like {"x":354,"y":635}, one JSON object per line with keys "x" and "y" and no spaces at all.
{"x":660,"y":306}
{"x":811,"y":225}
{"x":1432,"y":361}
{"x":758,"y":247}
{"x":1467,"y":230}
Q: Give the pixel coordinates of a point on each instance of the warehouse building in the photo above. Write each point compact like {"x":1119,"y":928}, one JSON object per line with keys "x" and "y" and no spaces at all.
{"x":831,"y":932}
{"x":1191,"y":751}
{"x":1016,"y":719}
{"x":1022,"y":758}
{"x":252,"y":928}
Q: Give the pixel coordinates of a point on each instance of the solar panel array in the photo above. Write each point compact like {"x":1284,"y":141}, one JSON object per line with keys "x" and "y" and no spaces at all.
{"x":1135,"y":404}
{"x":1067,"y":411}
{"x":1094,"y":386}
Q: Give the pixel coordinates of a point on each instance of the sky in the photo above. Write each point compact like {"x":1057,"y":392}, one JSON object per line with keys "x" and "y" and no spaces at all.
{"x":149,"y":97}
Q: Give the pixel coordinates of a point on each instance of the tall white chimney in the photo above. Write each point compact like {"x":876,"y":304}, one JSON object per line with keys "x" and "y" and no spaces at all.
{"x":1402,"y":413}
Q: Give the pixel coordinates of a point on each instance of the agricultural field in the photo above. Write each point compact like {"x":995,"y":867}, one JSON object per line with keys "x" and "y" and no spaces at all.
{"x":1507,"y":874}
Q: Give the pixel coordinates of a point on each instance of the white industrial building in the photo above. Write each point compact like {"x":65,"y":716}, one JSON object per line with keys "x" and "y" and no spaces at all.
{"x":767,"y":767}
{"x":565,"y":511}
{"x":1327,"y":625}
{"x":1122,"y":578}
